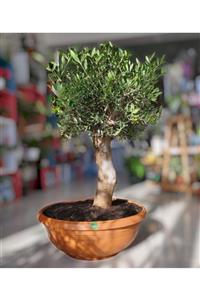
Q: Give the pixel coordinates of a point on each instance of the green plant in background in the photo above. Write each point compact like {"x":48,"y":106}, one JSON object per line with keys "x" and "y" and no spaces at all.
{"x":30,"y":110}
{"x":176,"y":169}
{"x":177,"y":104}
{"x":107,"y":93}
{"x":175,"y":165}
{"x":136,"y":167}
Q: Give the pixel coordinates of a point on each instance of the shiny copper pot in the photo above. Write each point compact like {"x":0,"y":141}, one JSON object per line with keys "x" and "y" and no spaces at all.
{"x":92,"y":240}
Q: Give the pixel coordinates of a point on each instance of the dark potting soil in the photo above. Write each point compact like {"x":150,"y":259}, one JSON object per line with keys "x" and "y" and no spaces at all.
{"x":85,"y":211}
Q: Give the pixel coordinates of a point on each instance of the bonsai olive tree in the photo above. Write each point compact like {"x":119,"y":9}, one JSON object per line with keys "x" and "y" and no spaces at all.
{"x":104,"y":92}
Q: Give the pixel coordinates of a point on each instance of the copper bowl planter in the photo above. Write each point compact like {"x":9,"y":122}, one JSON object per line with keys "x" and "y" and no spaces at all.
{"x":92,"y":240}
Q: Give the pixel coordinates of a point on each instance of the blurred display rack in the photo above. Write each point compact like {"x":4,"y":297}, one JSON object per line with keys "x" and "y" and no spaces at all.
{"x":178,"y":127}
{"x":8,"y":134}
{"x":10,"y":177}
{"x":191,"y":150}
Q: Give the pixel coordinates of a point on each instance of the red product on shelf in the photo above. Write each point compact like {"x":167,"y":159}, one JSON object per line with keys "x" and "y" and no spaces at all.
{"x":17,"y":183}
{"x":15,"y":186}
{"x":31,"y":94}
{"x":50,"y":176}
{"x":8,"y":104}
{"x":5,"y":73}
{"x":56,"y":143}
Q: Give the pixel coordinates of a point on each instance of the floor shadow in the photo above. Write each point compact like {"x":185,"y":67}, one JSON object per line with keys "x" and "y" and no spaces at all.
{"x":179,"y":245}
{"x":148,"y":227}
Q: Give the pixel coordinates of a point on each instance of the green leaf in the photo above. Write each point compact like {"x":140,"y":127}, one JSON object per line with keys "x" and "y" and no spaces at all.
{"x":93,"y":52}
{"x":74,"y":56}
{"x":137,"y":61}
{"x":63,"y":59}
{"x":85,"y":64}
{"x":152,"y":56}
{"x":110,"y":75}
{"x":147,"y":59}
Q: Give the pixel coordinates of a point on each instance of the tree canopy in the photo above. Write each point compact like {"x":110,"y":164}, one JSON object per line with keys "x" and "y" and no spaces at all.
{"x":105,"y":91}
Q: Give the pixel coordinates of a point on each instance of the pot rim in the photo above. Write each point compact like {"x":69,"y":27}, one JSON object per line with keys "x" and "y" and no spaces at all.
{"x":86,"y":225}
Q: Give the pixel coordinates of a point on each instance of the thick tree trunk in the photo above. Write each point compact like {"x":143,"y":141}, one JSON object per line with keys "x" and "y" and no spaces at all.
{"x":106,"y":173}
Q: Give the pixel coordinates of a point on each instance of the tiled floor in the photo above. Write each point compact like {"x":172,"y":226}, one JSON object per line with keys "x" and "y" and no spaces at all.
{"x":169,"y":237}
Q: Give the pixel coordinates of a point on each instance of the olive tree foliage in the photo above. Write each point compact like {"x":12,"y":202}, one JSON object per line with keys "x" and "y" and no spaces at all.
{"x":104,"y":91}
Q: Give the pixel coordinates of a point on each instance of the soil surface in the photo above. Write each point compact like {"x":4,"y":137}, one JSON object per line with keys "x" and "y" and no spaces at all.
{"x":85,"y":211}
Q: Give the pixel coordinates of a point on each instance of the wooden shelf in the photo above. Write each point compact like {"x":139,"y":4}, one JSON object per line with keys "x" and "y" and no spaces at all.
{"x":177,"y":131}
{"x":191,"y":150}
{"x":173,"y":187}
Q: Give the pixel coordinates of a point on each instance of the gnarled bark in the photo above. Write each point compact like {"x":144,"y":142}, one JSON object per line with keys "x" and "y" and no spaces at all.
{"x":106,"y":180}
